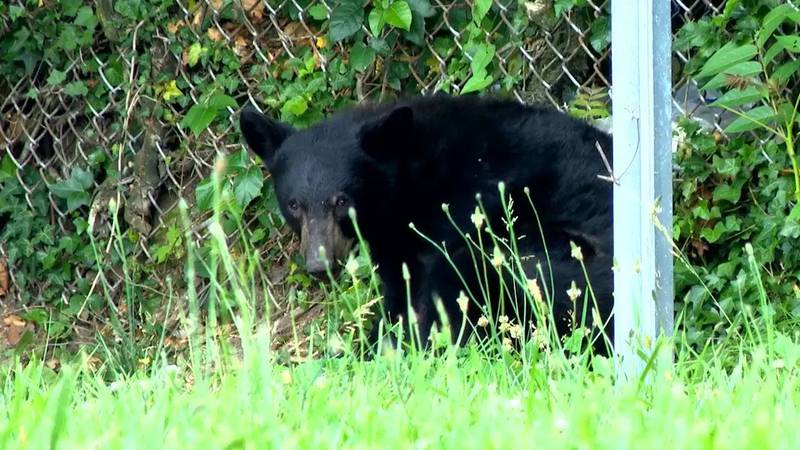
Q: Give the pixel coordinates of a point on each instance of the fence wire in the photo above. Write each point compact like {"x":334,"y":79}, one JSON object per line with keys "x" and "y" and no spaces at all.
{"x":127,"y":118}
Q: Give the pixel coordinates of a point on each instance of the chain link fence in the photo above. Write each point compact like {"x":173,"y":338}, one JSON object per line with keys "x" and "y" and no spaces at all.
{"x":97,"y":114}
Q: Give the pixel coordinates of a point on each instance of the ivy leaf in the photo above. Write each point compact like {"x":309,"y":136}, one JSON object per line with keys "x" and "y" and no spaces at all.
{"x":477,"y":82}
{"x":71,"y":7}
{"x":480,"y":78}
{"x":296,"y":106}
{"x":479,"y":10}
{"x":791,"y":228}
{"x":482,"y":57}
{"x":68,"y":39}
{"x":193,"y":56}
{"x":15,"y":12}
{"x":730,"y":193}
{"x":76,"y":89}
{"x":200,"y":115}
{"x":398,"y":15}
{"x":318,"y":12}
{"x":375,"y":22}
{"x":204,"y":194}
{"x":248,"y":186}
{"x":600,"y":35}
{"x":421,"y":7}
{"x":222,"y":101}
{"x":562,"y":6}
{"x":171,"y":91}
{"x":346,"y":19}
{"x":75,"y":189}
{"x":86,"y":18}
{"x":56,"y":77}
{"x":198,"y":118}
{"x":361,"y":56}
{"x":7,"y":169}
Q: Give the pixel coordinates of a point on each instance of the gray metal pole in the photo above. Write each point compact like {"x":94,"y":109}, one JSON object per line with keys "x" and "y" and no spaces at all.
{"x":641,"y":97}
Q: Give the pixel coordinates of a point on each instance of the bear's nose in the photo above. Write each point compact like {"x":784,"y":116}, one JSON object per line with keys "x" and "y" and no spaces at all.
{"x":316,"y":269}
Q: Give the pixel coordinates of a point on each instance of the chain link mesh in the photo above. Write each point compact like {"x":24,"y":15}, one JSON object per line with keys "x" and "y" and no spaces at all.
{"x":155,"y":162}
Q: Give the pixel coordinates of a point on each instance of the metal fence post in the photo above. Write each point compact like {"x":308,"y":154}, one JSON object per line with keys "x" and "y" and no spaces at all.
{"x":642,"y":132}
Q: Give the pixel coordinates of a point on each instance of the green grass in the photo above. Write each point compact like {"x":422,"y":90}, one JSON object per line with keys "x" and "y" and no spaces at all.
{"x":742,"y":392}
{"x":454,"y":401}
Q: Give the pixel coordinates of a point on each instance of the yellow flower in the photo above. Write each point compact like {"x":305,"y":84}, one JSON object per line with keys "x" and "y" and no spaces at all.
{"x":573,"y":292}
{"x":462,"y":301}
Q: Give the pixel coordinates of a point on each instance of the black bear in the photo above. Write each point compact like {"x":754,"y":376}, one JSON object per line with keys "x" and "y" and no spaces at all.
{"x":397,"y":164}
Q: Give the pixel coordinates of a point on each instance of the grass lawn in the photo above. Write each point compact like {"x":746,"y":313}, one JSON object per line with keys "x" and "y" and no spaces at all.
{"x":742,"y":392}
{"x":459,"y":400}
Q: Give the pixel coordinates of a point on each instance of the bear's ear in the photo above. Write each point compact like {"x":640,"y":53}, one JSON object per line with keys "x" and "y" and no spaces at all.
{"x":262,"y":134}
{"x":387,"y":136}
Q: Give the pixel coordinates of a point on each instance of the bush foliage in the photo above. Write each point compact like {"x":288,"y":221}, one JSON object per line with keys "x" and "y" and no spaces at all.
{"x":114,"y":110}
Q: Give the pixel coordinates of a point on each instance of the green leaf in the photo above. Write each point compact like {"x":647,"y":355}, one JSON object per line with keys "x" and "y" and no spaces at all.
{"x":346,"y":19}
{"x":480,"y":78}
{"x":730,"y":193}
{"x":773,"y":19}
{"x":790,"y":43}
{"x":221,"y":101}
{"x":600,"y":35}
{"x":248,"y":186}
{"x":15,"y":12}
{"x":86,"y":18}
{"x":75,"y":189}
{"x":375,"y":21}
{"x":199,"y":117}
{"x":729,"y":55}
{"x":7,"y":169}
{"x":713,"y":234}
{"x":416,"y":35}
{"x":361,"y":56}
{"x":562,"y":6}
{"x":742,"y":69}
{"x":380,"y":46}
{"x":195,"y":51}
{"x":784,"y":72}
{"x":296,"y":105}
{"x":76,"y":89}
{"x":477,"y":82}
{"x":752,"y":120}
{"x":421,"y":7}
{"x":71,"y":7}
{"x":171,"y":91}
{"x":56,"y":77}
{"x":770,"y":54}
{"x":482,"y":57}
{"x":479,"y":10}
{"x":318,"y":12}
{"x":398,"y":15}
{"x":791,"y":228}
{"x":68,"y":39}
{"x":738,"y":97}
{"x":204,"y":193}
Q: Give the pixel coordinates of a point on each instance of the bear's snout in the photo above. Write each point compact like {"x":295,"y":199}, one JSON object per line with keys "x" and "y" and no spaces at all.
{"x":324,"y":245}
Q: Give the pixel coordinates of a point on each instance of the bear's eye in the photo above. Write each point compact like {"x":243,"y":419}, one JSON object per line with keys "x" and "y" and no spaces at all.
{"x":341,"y":201}
{"x":294,"y":205}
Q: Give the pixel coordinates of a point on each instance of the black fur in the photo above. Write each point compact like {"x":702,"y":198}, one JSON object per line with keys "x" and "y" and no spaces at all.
{"x":398,"y":163}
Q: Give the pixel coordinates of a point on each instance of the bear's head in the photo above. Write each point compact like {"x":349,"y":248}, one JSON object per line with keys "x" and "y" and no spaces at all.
{"x":348,"y":161}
